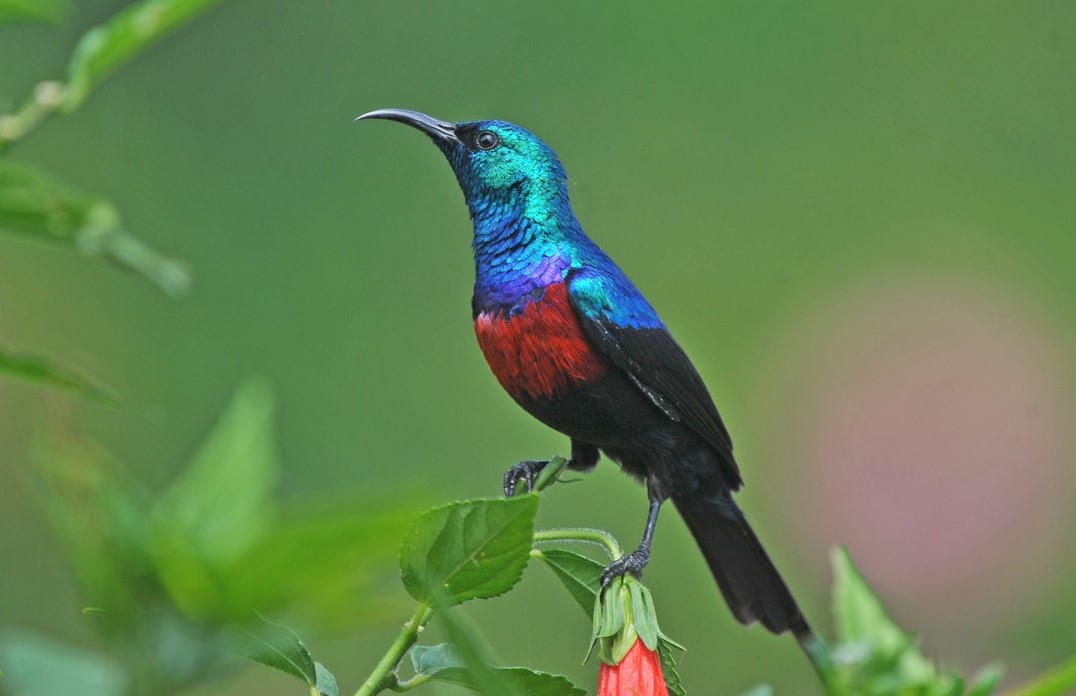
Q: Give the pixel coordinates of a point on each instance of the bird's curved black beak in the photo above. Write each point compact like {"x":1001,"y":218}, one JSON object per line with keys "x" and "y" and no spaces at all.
{"x":440,"y":131}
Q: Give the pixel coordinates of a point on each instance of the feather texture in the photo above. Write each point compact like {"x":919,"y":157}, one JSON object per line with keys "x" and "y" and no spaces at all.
{"x":540,"y":350}
{"x":655,"y":363}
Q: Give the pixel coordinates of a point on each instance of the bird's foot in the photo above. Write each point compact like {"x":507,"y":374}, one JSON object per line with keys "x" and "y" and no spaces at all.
{"x":632,"y":563}
{"x":524,"y":471}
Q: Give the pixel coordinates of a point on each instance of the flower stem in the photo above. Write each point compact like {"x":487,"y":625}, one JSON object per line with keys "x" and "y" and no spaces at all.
{"x":585,"y":534}
{"x":384,"y":675}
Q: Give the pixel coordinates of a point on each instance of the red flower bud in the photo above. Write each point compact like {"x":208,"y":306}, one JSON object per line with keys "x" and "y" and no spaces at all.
{"x":638,"y":674}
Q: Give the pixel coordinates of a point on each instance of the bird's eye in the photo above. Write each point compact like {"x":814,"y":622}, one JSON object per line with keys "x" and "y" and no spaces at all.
{"x":487,"y":140}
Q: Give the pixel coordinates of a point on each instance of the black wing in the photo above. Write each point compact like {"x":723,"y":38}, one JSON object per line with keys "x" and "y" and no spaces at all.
{"x":656,"y":363}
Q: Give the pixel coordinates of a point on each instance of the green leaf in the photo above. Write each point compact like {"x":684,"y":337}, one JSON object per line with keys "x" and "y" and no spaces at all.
{"x":550,"y":474}
{"x":860,"y":616}
{"x":34,"y":204}
{"x":986,"y":681}
{"x":41,"y":369}
{"x":1058,"y":681}
{"x":525,"y":681}
{"x":669,"y":669}
{"x":34,"y":664}
{"x":326,"y":682}
{"x":101,"y":516}
{"x":875,"y":656}
{"x":137,"y":27}
{"x":473,"y":549}
{"x":861,"y":619}
{"x":221,"y":504}
{"x":276,"y":646}
{"x":478,"y":671}
{"x":580,"y":575}
{"x":432,"y":659}
{"x":54,"y":11}
{"x":465,"y":663}
{"x":327,"y":561}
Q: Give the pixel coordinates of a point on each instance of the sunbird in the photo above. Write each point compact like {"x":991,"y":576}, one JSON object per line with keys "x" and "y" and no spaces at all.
{"x":574,"y":343}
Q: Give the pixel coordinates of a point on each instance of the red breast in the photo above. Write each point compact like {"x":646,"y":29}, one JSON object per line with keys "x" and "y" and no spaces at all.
{"x":540,"y":352}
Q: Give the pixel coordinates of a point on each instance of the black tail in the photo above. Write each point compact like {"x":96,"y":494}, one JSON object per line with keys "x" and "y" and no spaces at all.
{"x":747,"y":577}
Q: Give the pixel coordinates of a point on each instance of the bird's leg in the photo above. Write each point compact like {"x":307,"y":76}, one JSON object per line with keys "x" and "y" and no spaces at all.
{"x":635,"y":561}
{"x":524,"y":471}
{"x":584,"y":458}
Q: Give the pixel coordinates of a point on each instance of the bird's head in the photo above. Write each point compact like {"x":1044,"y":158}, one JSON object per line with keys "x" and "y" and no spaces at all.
{"x":493,"y":160}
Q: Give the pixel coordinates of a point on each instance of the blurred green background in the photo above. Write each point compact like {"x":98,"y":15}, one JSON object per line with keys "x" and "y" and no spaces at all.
{"x":858,"y":218}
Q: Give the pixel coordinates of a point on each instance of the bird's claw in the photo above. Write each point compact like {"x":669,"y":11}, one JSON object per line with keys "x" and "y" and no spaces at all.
{"x":633,"y":563}
{"x":524,"y":471}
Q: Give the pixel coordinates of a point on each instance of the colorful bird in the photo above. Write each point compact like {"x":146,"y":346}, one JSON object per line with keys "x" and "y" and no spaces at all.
{"x":573,"y":341}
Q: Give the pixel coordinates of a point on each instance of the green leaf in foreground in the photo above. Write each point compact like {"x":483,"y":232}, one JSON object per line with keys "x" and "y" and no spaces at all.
{"x":53,"y":11}
{"x":523,"y":680}
{"x":473,"y":549}
{"x":874,"y":656}
{"x":137,"y":27}
{"x":669,"y":668}
{"x":277,"y":646}
{"x":859,"y":614}
{"x":326,"y":682}
{"x":477,"y":668}
{"x":38,"y":368}
{"x":221,"y":504}
{"x":34,"y":204}
{"x":466,"y":663}
{"x":430,"y":660}
{"x":987,"y":680}
{"x":326,"y":560}
{"x":1058,"y":681}
{"x":443,"y":663}
{"x":580,"y":575}
{"x":223,"y":500}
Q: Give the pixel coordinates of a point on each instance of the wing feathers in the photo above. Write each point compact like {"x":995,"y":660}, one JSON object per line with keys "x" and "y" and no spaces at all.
{"x":654,"y":361}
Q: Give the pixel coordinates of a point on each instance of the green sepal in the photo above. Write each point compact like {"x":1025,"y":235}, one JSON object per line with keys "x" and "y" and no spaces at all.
{"x":646,"y":621}
{"x":623,"y":614}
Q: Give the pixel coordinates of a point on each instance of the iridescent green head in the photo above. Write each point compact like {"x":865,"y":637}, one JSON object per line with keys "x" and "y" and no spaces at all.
{"x":493,"y":160}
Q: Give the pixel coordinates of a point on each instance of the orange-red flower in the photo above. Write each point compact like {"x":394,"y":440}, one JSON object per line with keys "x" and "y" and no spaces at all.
{"x":638,"y":674}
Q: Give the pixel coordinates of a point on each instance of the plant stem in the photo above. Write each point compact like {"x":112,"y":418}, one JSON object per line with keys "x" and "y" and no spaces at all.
{"x":585,"y":534}
{"x":44,"y":101}
{"x":384,"y":675}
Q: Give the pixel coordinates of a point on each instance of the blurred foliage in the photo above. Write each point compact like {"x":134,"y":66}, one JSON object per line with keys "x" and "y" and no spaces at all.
{"x":107,"y":47}
{"x":38,"y":368}
{"x":874,"y":657}
{"x":175,"y":580}
{"x":34,"y":204}
{"x":171,"y":579}
{"x":1057,"y":682}
{"x":826,"y":144}
{"x":34,"y":10}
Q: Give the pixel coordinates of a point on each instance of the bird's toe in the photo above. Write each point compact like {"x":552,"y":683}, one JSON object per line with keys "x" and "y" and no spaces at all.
{"x":526,"y":472}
